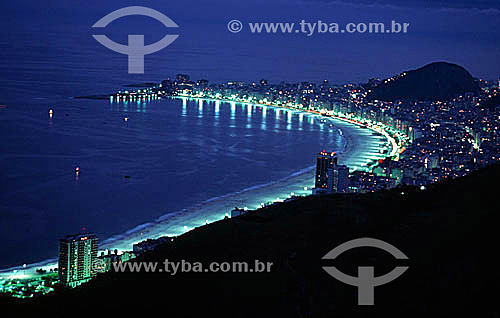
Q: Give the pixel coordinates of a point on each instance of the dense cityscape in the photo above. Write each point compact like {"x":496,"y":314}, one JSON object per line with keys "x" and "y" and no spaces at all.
{"x":431,"y":142}
{"x":299,"y":159}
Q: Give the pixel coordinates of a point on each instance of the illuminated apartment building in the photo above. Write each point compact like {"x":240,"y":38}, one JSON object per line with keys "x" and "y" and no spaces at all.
{"x":324,"y":161}
{"x":76,"y":255}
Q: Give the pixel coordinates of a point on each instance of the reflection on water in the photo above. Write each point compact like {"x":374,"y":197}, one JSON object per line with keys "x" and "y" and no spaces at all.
{"x":200,"y":108}
{"x":263,"y":125}
{"x":174,"y":153}
{"x":217,"y":106}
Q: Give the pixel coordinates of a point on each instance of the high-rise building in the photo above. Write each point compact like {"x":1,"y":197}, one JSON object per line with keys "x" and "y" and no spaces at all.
{"x":76,"y":255}
{"x":338,"y":179}
{"x":324,"y":161}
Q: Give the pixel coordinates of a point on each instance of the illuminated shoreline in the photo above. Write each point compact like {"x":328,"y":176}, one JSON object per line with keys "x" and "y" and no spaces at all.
{"x":20,"y":272}
{"x":396,"y":149}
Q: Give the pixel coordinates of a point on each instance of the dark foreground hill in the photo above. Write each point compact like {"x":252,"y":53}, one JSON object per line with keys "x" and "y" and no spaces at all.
{"x":436,"y":81}
{"x":449,"y":232}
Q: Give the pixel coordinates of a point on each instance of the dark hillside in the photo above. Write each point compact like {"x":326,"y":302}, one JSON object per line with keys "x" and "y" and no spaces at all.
{"x":433,"y":82}
{"x":448,"y":231}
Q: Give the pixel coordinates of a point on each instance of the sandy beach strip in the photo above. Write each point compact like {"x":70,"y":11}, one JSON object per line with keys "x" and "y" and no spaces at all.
{"x":361,"y":146}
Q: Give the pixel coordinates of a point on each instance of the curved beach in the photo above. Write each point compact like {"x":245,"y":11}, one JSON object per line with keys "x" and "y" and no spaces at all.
{"x":362,"y":146}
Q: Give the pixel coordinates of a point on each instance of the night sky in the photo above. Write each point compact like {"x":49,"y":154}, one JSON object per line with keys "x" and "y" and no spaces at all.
{"x":461,"y":32}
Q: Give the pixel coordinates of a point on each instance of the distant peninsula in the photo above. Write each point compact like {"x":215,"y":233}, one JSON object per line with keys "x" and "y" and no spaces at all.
{"x":432,"y":82}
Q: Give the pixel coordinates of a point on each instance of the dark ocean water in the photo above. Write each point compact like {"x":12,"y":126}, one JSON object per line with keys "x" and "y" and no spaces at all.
{"x":176,"y":153}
